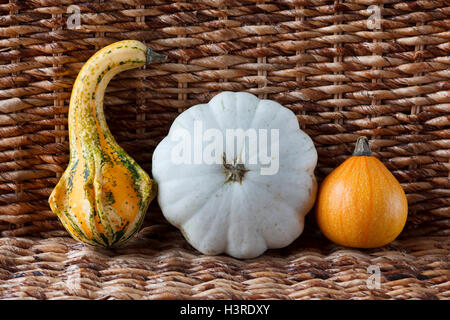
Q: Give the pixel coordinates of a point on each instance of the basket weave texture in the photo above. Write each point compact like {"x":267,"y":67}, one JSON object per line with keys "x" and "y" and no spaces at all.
{"x":342,"y":72}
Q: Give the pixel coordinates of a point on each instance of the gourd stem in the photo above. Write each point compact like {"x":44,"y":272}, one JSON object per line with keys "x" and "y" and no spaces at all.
{"x":153,"y":57}
{"x":362,"y":147}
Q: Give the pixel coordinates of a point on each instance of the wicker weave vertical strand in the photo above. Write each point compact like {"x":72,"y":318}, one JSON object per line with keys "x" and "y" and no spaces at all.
{"x":224,"y":18}
{"x":415,"y":109}
{"x":300,"y":16}
{"x":140,"y":116}
{"x":182,"y":95}
{"x":337,"y":59}
{"x":378,"y":31}
{"x":58,"y":102}
{"x":262,"y":72}
{"x":18,"y":191}
{"x":99,"y":35}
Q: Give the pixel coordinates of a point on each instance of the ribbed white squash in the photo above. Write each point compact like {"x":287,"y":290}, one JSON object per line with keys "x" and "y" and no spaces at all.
{"x":241,"y":218}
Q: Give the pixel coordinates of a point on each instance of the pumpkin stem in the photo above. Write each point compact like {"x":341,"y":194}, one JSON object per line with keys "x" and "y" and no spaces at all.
{"x":362,"y":147}
{"x":153,"y":56}
{"x":235,"y":171}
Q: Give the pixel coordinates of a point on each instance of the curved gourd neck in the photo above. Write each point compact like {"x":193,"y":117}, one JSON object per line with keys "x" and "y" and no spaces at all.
{"x":86,"y":115}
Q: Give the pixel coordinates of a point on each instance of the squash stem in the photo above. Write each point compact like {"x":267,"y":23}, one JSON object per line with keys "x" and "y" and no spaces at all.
{"x":153,"y":57}
{"x":234,"y":171}
{"x":362,"y":147}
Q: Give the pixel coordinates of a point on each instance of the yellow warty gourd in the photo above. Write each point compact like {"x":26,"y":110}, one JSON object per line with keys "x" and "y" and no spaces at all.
{"x":102,"y":197}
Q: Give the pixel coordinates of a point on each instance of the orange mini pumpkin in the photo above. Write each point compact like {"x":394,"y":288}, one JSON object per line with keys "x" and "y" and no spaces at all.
{"x":361,"y":204}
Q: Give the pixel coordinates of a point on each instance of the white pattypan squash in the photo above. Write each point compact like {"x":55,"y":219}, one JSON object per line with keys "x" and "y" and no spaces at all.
{"x":236,"y":175}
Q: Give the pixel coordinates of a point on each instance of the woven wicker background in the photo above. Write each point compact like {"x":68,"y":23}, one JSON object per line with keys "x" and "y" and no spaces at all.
{"x":320,"y":58}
